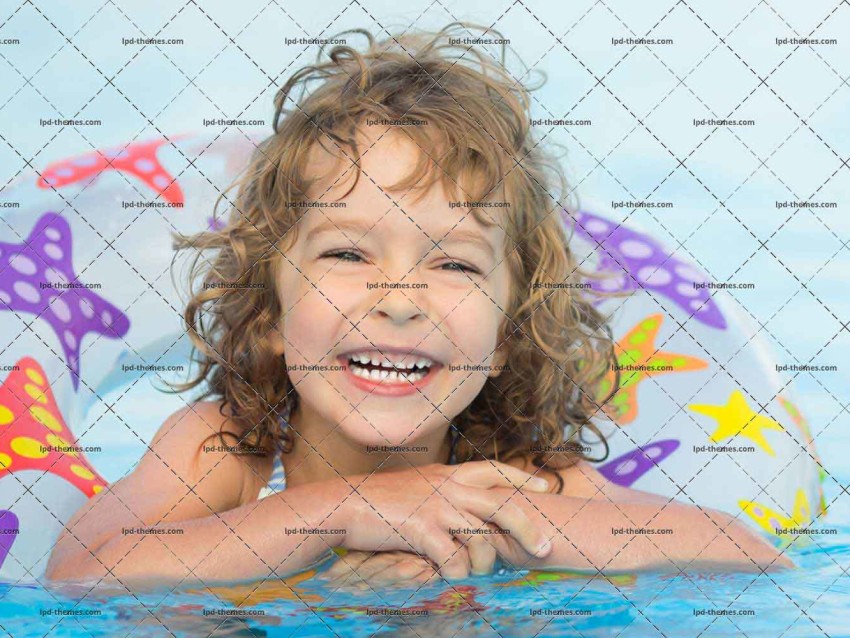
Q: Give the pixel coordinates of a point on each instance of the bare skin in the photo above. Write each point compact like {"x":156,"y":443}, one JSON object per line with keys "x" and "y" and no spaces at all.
{"x":228,"y":535}
{"x":701,"y":538}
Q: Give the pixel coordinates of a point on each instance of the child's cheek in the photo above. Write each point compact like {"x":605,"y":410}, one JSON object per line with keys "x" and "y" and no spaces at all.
{"x":310,"y":327}
{"x":475,"y":321}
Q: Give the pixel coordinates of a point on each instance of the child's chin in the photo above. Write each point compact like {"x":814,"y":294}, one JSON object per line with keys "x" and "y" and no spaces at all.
{"x":374,"y":434}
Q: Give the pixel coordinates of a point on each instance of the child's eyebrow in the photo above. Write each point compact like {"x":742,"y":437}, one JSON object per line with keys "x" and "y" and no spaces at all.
{"x":330,"y":226}
{"x":467,"y":236}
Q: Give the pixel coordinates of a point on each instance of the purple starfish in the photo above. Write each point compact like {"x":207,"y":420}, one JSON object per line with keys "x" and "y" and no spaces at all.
{"x":639,"y":261}
{"x":33,"y":278}
{"x":628,"y":468}
{"x":8,"y":533}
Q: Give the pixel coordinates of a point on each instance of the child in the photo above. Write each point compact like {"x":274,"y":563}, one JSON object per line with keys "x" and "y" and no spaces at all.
{"x":371,"y":319}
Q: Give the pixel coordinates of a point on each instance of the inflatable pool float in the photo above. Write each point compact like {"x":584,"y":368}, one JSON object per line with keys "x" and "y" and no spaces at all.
{"x":87,"y":306}
{"x":700,"y":413}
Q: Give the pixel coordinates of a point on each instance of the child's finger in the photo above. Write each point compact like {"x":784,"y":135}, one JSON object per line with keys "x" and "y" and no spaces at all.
{"x":362,"y":574}
{"x":380,"y":562}
{"x":403,"y":570}
{"x":429,"y":578}
{"x":487,"y":474}
{"x":346,"y":564}
{"x":482,"y":555}
{"x":470,"y":531}
{"x":451,"y":559}
{"x":509,"y":517}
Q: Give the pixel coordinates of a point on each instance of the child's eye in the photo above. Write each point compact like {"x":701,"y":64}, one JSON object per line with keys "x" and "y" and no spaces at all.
{"x":459,"y":267}
{"x":343,"y":255}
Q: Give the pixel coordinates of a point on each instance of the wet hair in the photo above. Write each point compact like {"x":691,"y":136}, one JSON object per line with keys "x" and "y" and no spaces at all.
{"x":479,"y":143}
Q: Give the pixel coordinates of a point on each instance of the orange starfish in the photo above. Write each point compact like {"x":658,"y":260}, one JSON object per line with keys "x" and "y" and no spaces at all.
{"x":638,"y":359}
{"x":252,"y":594}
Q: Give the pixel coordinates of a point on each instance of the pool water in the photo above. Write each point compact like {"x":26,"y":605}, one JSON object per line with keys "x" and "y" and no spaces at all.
{"x":809,"y":601}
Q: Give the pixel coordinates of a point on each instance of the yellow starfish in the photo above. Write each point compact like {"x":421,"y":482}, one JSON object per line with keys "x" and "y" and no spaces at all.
{"x":736,"y":418}
{"x":776,"y":523}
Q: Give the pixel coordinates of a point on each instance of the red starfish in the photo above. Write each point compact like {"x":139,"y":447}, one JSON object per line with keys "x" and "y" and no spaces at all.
{"x":138,"y":159}
{"x":32,"y":428}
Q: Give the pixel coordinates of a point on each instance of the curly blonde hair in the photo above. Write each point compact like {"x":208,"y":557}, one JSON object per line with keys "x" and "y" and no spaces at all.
{"x":558,"y":345}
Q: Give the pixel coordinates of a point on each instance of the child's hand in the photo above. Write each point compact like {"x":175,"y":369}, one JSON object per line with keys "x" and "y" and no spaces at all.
{"x":427,"y":510}
{"x":366,"y":570}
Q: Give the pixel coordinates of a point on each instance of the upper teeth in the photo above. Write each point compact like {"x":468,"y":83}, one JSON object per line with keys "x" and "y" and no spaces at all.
{"x":377,"y":359}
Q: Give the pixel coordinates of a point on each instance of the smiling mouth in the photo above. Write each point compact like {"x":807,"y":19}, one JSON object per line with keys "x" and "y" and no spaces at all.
{"x":373,"y":366}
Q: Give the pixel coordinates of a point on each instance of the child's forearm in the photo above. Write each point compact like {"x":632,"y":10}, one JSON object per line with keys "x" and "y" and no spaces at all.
{"x":599,"y":535}
{"x":276,"y":536}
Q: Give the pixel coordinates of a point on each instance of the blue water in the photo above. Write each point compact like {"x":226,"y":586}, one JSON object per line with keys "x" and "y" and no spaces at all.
{"x":810,"y":601}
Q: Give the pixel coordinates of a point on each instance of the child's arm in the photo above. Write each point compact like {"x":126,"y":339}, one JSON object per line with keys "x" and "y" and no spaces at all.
{"x":584,"y":538}
{"x":199,"y":495}
{"x":227,"y":536}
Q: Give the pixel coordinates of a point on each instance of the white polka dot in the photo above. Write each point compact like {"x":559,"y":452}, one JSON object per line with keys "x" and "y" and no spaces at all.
{"x":691,"y":274}
{"x":53,"y":251}
{"x":70,"y":339}
{"x":652,"y":452}
{"x":106,"y":318}
{"x":52,"y":234}
{"x":60,"y":309}
{"x":64,"y":172}
{"x":26,"y":291}
{"x":4,"y":297}
{"x":144,"y":165}
{"x":635,"y":249}
{"x":654,"y":276}
{"x":611,"y":283}
{"x":86,"y":308}
{"x":595,"y":226}
{"x":85,"y":160}
{"x":626,"y":467}
{"x":54,"y":276}
{"x":23,"y":265}
{"x":114,"y":153}
{"x":72,"y":363}
{"x":161,"y":181}
{"x":698,"y":305}
{"x":687,"y":290}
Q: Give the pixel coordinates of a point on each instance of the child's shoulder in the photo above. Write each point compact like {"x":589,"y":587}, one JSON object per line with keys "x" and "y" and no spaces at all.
{"x":197,"y":440}
{"x":194,"y":424}
{"x":199,"y":417}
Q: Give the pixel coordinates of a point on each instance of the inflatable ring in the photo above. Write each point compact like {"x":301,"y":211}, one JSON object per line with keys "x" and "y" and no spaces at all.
{"x":700,"y":413}
{"x":85,"y":307}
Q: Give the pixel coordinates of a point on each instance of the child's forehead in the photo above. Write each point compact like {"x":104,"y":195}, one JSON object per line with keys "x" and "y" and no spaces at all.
{"x":387,"y":158}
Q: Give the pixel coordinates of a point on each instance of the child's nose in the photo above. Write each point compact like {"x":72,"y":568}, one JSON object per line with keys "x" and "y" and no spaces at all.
{"x":400,"y":306}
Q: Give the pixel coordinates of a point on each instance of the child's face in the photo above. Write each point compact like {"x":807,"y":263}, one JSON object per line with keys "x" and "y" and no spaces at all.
{"x":327,"y":283}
